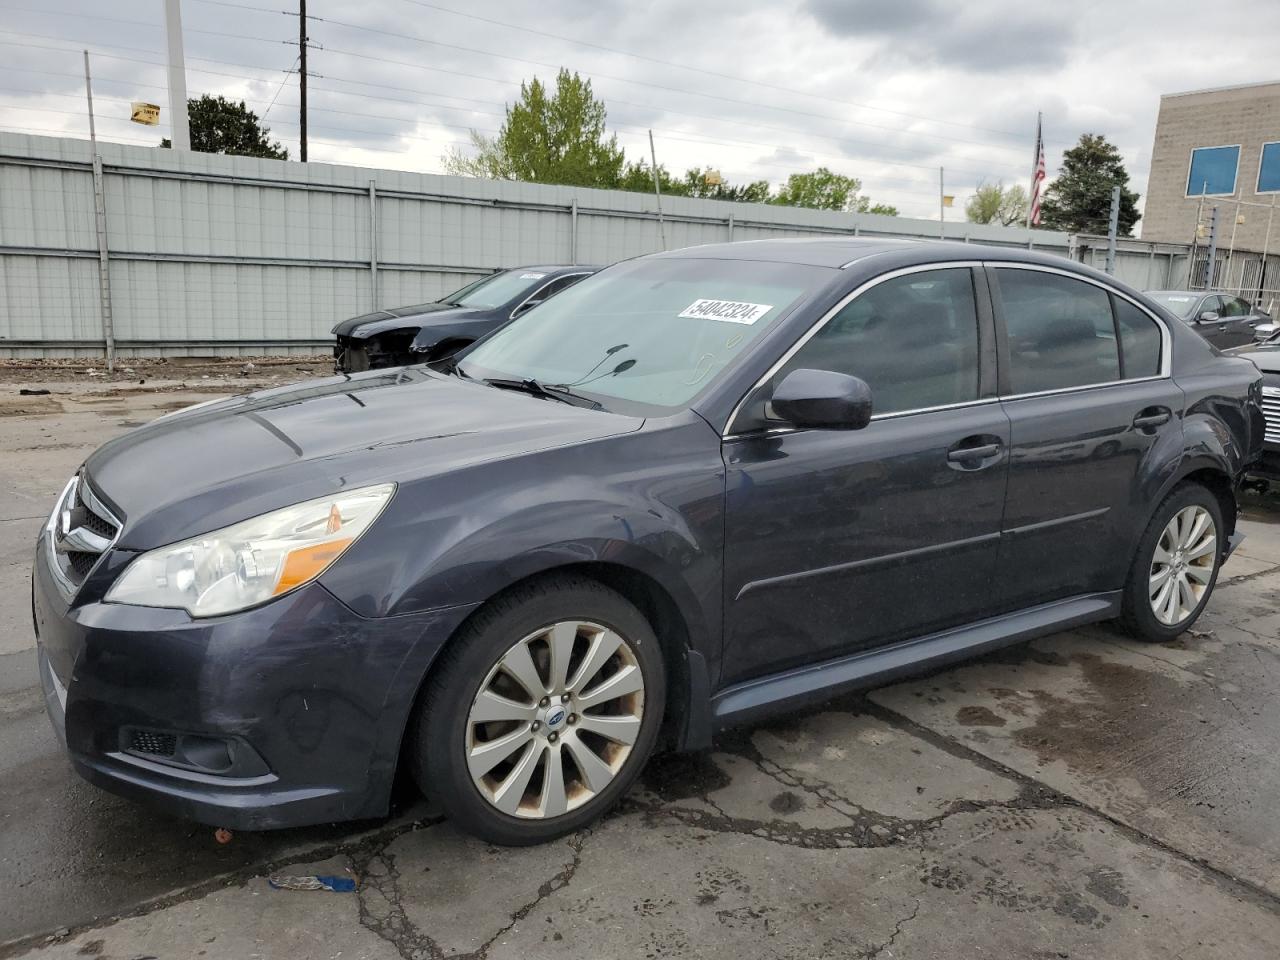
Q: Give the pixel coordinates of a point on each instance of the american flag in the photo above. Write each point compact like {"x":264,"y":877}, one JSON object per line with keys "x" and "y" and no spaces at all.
{"x":1037,"y":178}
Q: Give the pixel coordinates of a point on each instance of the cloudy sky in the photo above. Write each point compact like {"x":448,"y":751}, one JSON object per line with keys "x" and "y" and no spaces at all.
{"x":885,"y":91}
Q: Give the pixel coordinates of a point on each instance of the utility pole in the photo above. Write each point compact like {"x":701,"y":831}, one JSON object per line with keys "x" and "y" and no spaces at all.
{"x":100,"y":224}
{"x":1113,"y":228}
{"x":178,"y":123}
{"x":653,"y":157}
{"x":1213,"y":248}
{"x":942,"y":206}
{"x":302,"y":79}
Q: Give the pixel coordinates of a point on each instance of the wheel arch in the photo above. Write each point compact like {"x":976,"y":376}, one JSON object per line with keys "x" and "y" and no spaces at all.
{"x":686,"y":722}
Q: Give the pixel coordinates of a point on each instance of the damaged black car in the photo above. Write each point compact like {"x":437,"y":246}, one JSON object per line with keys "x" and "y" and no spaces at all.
{"x":426,"y":332}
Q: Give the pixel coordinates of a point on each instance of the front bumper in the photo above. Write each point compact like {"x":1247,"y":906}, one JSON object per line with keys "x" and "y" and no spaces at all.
{"x":310,"y":700}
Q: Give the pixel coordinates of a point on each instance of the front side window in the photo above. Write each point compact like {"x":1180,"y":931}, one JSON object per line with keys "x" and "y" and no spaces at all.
{"x":1061,"y":331}
{"x":1234,"y":307}
{"x":1213,"y":171}
{"x":913,"y":339}
{"x":650,"y":333}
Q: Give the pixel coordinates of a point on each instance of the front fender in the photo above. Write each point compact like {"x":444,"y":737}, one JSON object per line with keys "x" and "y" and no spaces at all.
{"x":650,"y":501}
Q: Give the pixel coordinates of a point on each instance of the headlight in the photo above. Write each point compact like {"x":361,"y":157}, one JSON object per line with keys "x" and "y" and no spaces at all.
{"x":251,"y":562}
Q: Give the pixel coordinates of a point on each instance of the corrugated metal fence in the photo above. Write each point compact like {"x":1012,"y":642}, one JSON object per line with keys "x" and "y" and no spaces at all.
{"x":210,"y":254}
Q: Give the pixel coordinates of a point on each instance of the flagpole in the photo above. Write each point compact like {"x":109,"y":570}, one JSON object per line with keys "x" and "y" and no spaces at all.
{"x":1035,"y":166}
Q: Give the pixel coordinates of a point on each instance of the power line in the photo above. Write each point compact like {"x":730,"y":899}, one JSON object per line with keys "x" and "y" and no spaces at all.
{"x":401,"y":35}
{"x":685,"y":66}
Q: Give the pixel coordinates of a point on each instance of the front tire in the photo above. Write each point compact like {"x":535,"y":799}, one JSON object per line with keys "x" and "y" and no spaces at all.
{"x":1176,"y":565}
{"x":541,"y":712}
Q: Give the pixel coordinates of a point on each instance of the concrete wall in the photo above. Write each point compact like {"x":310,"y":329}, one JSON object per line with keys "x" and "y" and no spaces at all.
{"x":211,"y":254}
{"x":1248,"y":116}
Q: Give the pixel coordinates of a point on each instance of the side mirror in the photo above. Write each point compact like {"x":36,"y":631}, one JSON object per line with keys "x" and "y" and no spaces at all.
{"x":821,"y":398}
{"x":1208,"y":316}
{"x":1264,"y":331}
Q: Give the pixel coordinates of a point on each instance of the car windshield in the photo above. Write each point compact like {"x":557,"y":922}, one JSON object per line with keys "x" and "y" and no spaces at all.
{"x":496,"y":290}
{"x":1180,"y":303}
{"x":649,"y":332}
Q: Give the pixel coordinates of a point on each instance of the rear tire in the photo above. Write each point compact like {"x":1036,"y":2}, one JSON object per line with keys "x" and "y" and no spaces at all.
{"x":541,"y":713}
{"x":1175,"y":567}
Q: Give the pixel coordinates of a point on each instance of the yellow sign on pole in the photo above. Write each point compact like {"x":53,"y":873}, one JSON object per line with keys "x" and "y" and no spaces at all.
{"x":148,"y":113}
{"x":948,"y":200}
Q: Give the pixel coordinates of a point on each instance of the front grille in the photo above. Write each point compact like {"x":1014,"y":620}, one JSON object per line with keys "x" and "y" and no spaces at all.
{"x":153,"y":742}
{"x":81,"y":530}
{"x":1271,"y":410}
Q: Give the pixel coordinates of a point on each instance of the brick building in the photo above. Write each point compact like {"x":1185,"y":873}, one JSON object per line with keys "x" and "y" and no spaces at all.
{"x":1219,"y":148}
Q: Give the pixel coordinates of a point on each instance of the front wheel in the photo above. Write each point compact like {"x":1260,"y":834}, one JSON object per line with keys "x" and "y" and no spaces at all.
{"x":1176,"y":566}
{"x":541,"y":712}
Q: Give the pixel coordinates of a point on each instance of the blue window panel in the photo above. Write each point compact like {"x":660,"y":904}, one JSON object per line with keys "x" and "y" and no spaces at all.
{"x":1269,"y":168}
{"x":1213,"y":171}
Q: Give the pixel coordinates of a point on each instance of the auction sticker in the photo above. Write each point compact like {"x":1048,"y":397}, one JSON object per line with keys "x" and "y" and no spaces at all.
{"x":532,"y":276}
{"x":730,"y":311}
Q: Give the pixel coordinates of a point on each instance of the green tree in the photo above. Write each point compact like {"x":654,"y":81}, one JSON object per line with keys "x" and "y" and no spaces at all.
{"x":996,"y":203}
{"x":825,"y":190}
{"x":548,"y":138}
{"x":700,"y":182}
{"x":219,"y":125}
{"x":1079,"y":199}
{"x":637,"y":176}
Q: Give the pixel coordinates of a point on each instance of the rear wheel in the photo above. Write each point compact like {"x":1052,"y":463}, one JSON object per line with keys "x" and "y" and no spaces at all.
{"x":542,"y":712}
{"x":1176,"y":566}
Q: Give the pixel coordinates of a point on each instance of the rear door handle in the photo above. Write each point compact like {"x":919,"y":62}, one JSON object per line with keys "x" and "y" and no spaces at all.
{"x":1152,"y":417}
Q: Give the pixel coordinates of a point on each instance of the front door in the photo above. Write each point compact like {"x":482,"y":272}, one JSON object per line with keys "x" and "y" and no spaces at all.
{"x":1088,"y":396}
{"x":841,"y":540}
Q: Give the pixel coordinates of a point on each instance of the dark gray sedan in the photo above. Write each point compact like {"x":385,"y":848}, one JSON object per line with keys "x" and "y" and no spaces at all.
{"x":432,"y":331}
{"x":1223,"y":319}
{"x":696,"y":488}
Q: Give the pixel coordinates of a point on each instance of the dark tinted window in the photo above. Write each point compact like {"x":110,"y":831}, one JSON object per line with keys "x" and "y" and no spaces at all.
{"x":914,"y":339}
{"x":1209,"y":305}
{"x":1061,"y":332}
{"x":1139,"y":341}
{"x":560,"y":283}
{"x":1234,"y":307}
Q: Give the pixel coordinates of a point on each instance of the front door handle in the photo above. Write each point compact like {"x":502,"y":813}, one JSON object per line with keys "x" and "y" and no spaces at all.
{"x":1152,"y":417}
{"x":975,"y":453}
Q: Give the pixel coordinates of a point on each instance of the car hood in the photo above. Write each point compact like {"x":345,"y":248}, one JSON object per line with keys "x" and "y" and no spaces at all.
{"x":1266,"y":358}
{"x":207,"y":467}
{"x":403,"y":318}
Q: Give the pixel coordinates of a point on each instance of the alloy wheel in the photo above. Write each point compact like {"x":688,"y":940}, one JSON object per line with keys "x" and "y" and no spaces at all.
{"x":555,"y":719}
{"x":1183,"y":565}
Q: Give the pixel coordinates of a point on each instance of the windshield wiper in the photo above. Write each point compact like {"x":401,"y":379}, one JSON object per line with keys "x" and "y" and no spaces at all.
{"x":538,"y":389}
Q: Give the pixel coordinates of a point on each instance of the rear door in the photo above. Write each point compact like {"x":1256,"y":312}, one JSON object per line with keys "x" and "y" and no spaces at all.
{"x":841,"y":540}
{"x":1085,"y":382}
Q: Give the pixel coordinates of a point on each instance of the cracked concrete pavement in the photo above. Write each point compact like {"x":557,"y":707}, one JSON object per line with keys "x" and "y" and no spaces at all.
{"x":1079,"y":796}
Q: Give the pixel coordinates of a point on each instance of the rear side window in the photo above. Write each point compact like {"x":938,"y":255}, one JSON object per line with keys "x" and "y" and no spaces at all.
{"x":1061,"y":331}
{"x":913,"y":339}
{"x":1140,"y":341}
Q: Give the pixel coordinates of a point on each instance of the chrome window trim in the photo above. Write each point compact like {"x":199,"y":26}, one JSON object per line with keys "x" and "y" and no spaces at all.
{"x":830,"y":315}
{"x":1166,"y":342}
{"x":516,"y":308}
